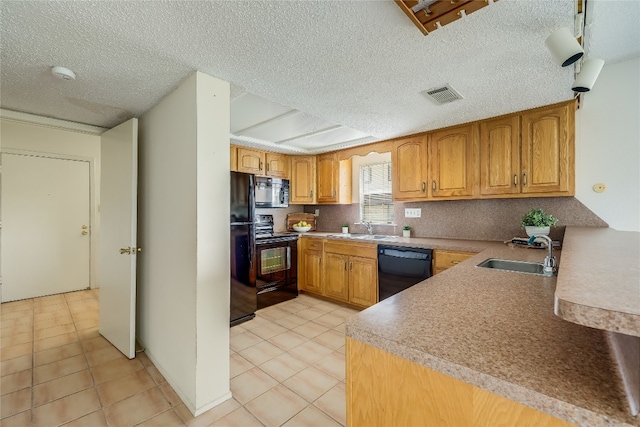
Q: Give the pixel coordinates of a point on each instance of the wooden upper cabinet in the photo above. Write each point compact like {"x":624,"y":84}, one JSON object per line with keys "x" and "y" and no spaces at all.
{"x":277,"y":165}
{"x":409,"y":160}
{"x":328,"y":178}
{"x":548,"y":150}
{"x":303,"y":180}
{"x":453,"y":159}
{"x":250,"y":161}
{"x":500,"y":156}
{"x":333,"y":179}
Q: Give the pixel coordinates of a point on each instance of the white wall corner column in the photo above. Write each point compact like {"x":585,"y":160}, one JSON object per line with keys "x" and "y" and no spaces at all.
{"x":607,"y":146}
{"x":183,"y":211}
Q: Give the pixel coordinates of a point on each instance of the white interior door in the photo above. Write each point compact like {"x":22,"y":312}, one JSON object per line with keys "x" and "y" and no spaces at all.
{"x":45,"y":226}
{"x":118,"y":225}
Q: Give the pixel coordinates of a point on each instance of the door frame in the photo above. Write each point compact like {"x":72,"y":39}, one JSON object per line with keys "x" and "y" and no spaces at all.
{"x":93,"y":201}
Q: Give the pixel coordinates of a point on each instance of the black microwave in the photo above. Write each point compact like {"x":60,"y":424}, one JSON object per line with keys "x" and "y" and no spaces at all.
{"x":271,"y":192}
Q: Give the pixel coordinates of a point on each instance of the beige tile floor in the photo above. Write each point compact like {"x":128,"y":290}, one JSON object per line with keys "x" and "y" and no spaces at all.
{"x":287,"y":368}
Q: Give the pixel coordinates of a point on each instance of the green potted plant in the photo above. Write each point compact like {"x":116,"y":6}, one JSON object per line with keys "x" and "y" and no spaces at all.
{"x":406,"y":231}
{"x":537,"y":222}
{"x":345,"y":228}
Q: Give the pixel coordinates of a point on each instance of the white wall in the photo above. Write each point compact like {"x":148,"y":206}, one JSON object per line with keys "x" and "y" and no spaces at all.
{"x":213,"y":237}
{"x":20,"y":132}
{"x":608,"y":146}
{"x":183,"y":275}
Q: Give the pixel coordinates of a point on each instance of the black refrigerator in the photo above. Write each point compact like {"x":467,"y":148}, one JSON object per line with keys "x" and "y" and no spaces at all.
{"x":244,"y":300}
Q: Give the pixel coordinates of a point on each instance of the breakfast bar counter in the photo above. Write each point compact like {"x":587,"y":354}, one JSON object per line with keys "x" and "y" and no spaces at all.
{"x":496,"y":330}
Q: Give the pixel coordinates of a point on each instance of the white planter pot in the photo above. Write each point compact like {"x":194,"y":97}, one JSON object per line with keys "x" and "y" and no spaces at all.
{"x":537,"y":231}
{"x":345,"y":230}
{"x":406,"y":233}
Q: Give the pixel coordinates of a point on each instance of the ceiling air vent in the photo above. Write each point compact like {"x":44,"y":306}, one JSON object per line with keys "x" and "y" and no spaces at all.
{"x":442,"y":95}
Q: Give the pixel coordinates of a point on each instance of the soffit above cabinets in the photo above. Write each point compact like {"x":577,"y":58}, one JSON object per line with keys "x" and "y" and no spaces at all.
{"x":256,"y":122}
{"x":429,"y":15}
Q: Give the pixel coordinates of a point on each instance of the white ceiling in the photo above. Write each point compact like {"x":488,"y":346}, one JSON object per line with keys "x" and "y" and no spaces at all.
{"x":331,"y":73}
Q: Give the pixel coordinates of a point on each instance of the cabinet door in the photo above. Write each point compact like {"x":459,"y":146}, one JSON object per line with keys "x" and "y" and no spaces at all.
{"x":547,"y":150}
{"x":363,"y":281}
{"x":336,"y":276}
{"x":303,"y":180}
{"x":233,"y":157}
{"x":250,"y":161}
{"x":409,"y":164}
{"x":312,"y":271}
{"x":453,"y":160}
{"x":328,"y":175}
{"x":277,"y":165}
{"x":500,"y":156}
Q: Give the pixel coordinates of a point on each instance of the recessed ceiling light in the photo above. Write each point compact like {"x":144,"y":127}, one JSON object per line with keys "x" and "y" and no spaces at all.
{"x":63,"y":73}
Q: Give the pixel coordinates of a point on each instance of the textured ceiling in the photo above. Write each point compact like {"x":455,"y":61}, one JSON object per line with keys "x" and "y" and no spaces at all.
{"x":359,"y":64}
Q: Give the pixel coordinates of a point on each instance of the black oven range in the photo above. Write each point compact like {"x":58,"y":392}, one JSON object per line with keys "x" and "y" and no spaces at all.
{"x":276,"y":263}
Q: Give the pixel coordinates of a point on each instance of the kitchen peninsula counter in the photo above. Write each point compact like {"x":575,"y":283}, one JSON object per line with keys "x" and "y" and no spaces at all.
{"x":497,"y":330}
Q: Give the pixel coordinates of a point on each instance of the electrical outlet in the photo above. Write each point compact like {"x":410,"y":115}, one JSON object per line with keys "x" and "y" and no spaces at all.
{"x":412,"y":213}
{"x":317,"y":212}
{"x":599,"y":187}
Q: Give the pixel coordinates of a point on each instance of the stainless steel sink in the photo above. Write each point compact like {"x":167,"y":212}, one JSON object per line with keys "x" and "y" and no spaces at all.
{"x":515,"y":266}
{"x":362,"y":236}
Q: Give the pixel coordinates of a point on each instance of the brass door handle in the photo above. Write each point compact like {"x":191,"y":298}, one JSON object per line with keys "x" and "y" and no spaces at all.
{"x":515,"y":180}
{"x":129,"y":250}
{"x":524,"y":179}
{"x":433,"y":185}
{"x":424,"y":186}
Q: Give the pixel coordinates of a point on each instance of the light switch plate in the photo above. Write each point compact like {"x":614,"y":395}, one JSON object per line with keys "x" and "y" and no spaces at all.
{"x":412,"y":212}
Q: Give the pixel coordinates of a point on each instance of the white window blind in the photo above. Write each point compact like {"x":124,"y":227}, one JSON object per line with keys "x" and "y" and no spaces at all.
{"x":376,"y":204}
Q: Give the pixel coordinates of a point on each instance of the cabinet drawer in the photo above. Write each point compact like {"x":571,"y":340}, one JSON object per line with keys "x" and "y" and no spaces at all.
{"x":447,"y":259}
{"x":366,"y":250}
{"x":314,"y":244}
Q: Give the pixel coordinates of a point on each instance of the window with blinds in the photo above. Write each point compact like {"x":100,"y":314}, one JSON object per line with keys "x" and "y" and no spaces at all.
{"x":376,"y":204}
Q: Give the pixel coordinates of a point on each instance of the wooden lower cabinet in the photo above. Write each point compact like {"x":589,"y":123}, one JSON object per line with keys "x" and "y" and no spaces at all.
{"x":310,"y":265}
{"x":345,"y":272}
{"x":363,"y":281}
{"x":336,"y":276}
{"x":443,"y":259}
{"x":351,"y":272}
{"x":387,"y":390}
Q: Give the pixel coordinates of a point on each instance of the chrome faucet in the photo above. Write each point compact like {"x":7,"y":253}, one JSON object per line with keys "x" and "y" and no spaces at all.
{"x":550,"y":263}
{"x":368,"y":226}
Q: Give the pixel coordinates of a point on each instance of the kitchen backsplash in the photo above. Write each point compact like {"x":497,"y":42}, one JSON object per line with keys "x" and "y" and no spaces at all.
{"x":280,"y":216}
{"x":490,"y":219}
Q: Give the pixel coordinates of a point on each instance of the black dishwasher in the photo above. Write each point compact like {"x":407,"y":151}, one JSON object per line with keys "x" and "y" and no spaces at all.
{"x":400,"y":267}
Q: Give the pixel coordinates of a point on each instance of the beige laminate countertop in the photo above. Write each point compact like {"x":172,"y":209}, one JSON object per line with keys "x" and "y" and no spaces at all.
{"x":599,"y":282}
{"x":497,"y":330}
